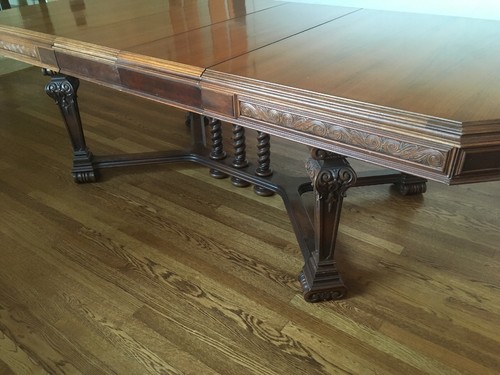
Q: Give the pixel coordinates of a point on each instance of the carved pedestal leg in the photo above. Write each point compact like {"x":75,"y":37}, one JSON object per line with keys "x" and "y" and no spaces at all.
{"x":331,"y":176}
{"x":63,"y":89}
{"x":240,"y":156}
{"x":264,"y":167}
{"x":218,"y":152}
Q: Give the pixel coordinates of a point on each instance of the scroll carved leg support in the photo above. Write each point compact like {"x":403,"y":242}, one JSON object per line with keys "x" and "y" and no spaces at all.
{"x":331,"y":176}
{"x":63,"y":89}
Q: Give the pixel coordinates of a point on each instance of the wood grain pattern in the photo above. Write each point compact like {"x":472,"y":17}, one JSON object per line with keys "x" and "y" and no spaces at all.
{"x":135,"y":275}
{"x":443,"y":67}
{"x":415,"y":93}
{"x":219,"y":42}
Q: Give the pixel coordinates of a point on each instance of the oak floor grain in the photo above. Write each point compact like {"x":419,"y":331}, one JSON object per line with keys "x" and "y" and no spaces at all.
{"x":163,"y":270}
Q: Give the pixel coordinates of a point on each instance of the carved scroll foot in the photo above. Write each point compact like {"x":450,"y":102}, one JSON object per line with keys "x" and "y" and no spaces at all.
{"x":322,"y":283}
{"x":411,"y":185}
{"x":83,"y":170}
{"x":81,"y":177}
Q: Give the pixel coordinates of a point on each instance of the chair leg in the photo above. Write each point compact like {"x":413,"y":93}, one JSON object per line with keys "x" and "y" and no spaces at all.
{"x":4,"y":4}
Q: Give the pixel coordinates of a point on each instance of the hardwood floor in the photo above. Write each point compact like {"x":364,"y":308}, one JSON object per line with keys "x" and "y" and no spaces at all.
{"x":163,"y":270}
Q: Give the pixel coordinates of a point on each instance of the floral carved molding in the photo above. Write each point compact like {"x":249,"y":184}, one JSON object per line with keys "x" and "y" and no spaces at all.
{"x":383,"y":145}
{"x":18,"y":48}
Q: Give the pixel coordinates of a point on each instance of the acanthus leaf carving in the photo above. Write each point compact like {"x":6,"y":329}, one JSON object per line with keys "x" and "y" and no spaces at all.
{"x":379,"y":144}
{"x":18,"y":48}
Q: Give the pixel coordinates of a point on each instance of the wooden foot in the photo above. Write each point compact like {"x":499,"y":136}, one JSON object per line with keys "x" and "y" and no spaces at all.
{"x":83,"y":169}
{"x":322,"y":283}
{"x":411,"y":185}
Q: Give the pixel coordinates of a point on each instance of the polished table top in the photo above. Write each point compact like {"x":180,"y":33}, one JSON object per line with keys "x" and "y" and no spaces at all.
{"x":417,"y":93}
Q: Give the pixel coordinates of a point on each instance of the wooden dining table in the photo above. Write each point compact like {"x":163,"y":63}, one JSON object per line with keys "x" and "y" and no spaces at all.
{"x":416,"y":94}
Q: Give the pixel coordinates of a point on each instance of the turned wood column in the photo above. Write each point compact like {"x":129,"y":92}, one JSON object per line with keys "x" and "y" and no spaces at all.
{"x":217,"y":152}
{"x":240,"y":155}
{"x":264,"y":162}
{"x":331,"y":176}
{"x":63,"y":89}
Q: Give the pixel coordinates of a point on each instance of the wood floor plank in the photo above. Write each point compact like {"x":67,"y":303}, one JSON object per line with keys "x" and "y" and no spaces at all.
{"x":13,"y":359}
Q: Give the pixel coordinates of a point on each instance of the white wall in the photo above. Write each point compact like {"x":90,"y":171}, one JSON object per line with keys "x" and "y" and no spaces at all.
{"x":488,"y":9}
